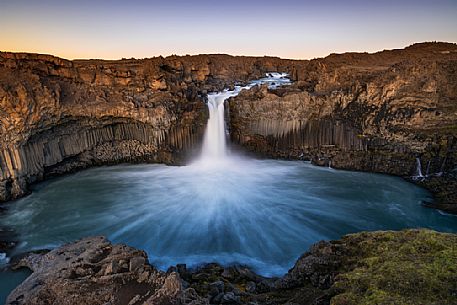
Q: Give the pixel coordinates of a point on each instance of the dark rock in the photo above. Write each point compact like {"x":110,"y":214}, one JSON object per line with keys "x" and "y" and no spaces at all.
{"x":114,"y":273}
{"x":250,"y":287}
{"x":216,"y":288}
{"x":265,"y":285}
{"x":319,"y":266}
{"x":136,"y":263}
{"x":230,"y":298}
{"x":353,"y":110}
{"x":338,"y":116}
{"x":60,"y":116}
{"x":217,"y":299}
{"x":93,"y":271}
{"x":229,"y":273}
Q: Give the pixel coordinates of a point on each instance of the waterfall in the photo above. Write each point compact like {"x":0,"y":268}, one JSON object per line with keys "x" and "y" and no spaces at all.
{"x":214,"y":143}
{"x":427,"y":171}
{"x":440,"y":173}
{"x":418,"y":169}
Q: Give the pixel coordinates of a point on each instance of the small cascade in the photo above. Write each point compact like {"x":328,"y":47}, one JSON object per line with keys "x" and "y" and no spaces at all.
{"x":427,"y":171}
{"x":440,"y":173}
{"x":418,"y":175}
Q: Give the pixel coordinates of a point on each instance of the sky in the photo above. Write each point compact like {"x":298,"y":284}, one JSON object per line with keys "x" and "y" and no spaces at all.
{"x":285,"y":28}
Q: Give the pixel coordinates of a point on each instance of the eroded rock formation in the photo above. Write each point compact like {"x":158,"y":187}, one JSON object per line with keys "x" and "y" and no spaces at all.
{"x":93,"y":271}
{"x":418,"y":265}
{"x":381,"y":112}
{"x":373,"y":112}
{"x":58,"y":115}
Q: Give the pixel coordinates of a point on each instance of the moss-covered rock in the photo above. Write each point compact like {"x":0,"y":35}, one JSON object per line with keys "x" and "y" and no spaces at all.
{"x":406,"y":267}
{"x":386,"y":267}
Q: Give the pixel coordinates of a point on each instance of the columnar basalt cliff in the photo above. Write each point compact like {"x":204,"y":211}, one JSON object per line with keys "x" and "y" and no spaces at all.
{"x":58,"y":115}
{"x":392,"y":112}
{"x":384,"y":112}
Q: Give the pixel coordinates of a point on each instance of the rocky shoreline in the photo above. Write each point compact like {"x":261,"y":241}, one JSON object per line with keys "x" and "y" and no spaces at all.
{"x":419,"y":266}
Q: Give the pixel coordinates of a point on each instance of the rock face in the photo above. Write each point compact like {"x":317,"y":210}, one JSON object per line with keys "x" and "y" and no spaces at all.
{"x":58,"y":115}
{"x":418,"y":265}
{"x":93,"y":271}
{"x":386,"y":112}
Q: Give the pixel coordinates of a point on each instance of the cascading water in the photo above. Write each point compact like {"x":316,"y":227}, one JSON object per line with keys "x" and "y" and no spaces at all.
{"x":214,"y":142}
{"x":427,"y":171}
{"x":221,"y":208}
{"x":214,"y":150}
{"x":419,"y":174}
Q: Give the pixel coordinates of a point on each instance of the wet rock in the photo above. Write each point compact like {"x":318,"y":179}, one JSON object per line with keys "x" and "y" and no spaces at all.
{"x":230,"y":298}
{"x":8,"y":240}
{"x":169,"y":293}
{"x":136,"y":263}
{"x":250,"y":287}
{"x":230,"y":273}
{"x":114,"y":273}
{"x":217,"y":298}
{"x":318,"y":266}
{"x":265,"y":285}
{"x":93,"y":271}
{"x":216,"y":288}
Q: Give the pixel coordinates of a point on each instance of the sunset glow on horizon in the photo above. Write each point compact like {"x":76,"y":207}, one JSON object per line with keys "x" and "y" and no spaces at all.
{"x":288,"y":29}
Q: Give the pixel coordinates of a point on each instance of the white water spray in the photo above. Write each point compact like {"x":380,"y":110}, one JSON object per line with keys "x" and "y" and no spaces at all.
{"x":214,"y":149}
{"x":222,"y":208}
{"x":214,"y":145}
{"x":427,"y":171}
{"x":419,"y":174}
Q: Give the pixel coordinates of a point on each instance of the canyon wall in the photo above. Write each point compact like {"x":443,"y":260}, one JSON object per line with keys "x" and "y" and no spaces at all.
{"x":380,"y":112}
{"x":387,"y":112}
{"x":57,"y":116}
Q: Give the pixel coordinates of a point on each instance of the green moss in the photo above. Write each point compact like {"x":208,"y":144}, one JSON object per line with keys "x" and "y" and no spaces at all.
{"x":406,"y":267}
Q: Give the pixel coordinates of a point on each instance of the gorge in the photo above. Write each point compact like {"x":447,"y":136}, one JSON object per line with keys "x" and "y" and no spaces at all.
{"x":388,"y":112}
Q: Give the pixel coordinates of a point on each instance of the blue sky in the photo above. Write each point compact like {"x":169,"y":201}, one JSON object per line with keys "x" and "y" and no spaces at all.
{"x":287,"y":28}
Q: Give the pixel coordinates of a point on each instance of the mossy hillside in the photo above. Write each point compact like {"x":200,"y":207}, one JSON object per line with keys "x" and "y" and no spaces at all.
{"x":406,"y":267}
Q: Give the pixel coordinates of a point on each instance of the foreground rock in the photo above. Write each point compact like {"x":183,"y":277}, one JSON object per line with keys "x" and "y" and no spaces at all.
{"x":407,"y":267}
{"x":93,"y":271}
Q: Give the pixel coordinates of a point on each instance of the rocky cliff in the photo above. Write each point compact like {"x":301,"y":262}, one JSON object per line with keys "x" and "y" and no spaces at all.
{"x":58,"y":115}
{"x":407,"y":267}
{"x":392,"y":112}
{"x":386,"y":112}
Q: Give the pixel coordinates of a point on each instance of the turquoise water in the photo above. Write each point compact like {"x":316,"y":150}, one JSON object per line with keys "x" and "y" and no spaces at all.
{"x":9,"y":280}
{"x":261,"y":213}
